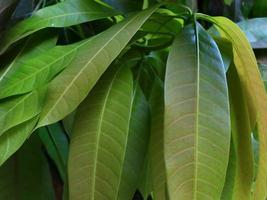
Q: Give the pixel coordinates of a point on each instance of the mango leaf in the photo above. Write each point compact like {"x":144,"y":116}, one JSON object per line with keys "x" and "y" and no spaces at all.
{"x":56,"y":145}
{"x":87,"y":67}
{"x":145,"y":183}
{"x":12,"y":76}
{"x":228,"y":189}
{"x":26,"y":175}
{"x":99,"y":140}
{"x":256,"y":31}
{"x":19,"y":109}
{"x":197,"y":118}
{"x":156,"y":144}
{"x":226,"y":51}
{"x":253,"y":89}
{"x":13,"y":139}
{"x":63,"y":14}
{"x":241,"y":140}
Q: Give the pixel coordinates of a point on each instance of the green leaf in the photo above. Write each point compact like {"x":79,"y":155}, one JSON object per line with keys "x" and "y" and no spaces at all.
{"x":145,"y":182}
{"x":253,"y":89}
{"x":156,"y":144}
{"x":18,"y":76}
{"x":19,"y":109}
{"x":26,"y":175}
{"x":137,"y":143}
{"x":241,"y":137}
{"x":256,"y":31}
{"x":99,"y":140}
{"x":56,"y":145}
{"x":226,"y":51}
{"x":13,"y":139}
{"x":87,"y":67}
{"x":197,"y":118}
{"x":63,"y":14}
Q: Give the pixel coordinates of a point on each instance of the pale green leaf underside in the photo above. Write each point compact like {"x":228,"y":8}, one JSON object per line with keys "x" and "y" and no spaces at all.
{"x":63,"y":14}
{"x":99,"y":139}
{"x":156,"y":151}
{"x":197,"y":124}
{"x":68,"y":89}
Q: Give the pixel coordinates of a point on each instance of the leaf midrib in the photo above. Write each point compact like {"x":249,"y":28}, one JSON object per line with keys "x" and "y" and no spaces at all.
{"x":99,"y":128}
{"x":86,"y":65}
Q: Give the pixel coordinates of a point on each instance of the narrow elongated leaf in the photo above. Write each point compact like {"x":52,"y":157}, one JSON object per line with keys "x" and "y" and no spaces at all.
{"x":156,"y":144}
{"x":197,"y":119}
{"x":20,"y":109}
{"x":99,"y":139}
{"x":137,"y":143}
{"x":62,"y":14}
{"x":256,"y":31}
{"x":56,"y":144}
{"x":241,"y":136}
{"x":13,"y":139}
{"x":26,"y":175}
{"x":145,"y":182}
{"x":12,"y":79}
{"x":253,"y":89}
{"x":68,"y":89}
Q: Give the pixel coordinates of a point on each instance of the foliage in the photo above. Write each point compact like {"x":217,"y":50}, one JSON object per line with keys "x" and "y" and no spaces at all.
{"x":120,"y":99}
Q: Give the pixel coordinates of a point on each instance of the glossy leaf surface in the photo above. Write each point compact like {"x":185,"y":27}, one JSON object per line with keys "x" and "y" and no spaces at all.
{"x":63,"y":14}
{"x":253,"y":88}
{"x":197,"y":119}
{"x":99,"y":139}
{"x":67,"y":90}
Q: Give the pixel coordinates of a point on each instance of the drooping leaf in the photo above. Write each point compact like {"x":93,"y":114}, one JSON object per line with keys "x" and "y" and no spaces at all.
{"x":63,"y":14}
{"x":13,"y":139}
{"x":137,"y":143}
{"x":197,"y":118}
{"x":228,"y":2}
{"x":226,"y":51}
{"x":242,"y":178}
{"x":145,"y":182}
{"x":99,"y":140}
{"x":253,"y":89}
{"x":256,"y":31}
{"x":228,"y":189}
{"x":12,"y":76}
{"x":26,"y":175}
{"x":68,"y":89}
{"x":156,"y":144}
{"x":16,"y":110}
{"x":56,"y":145}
